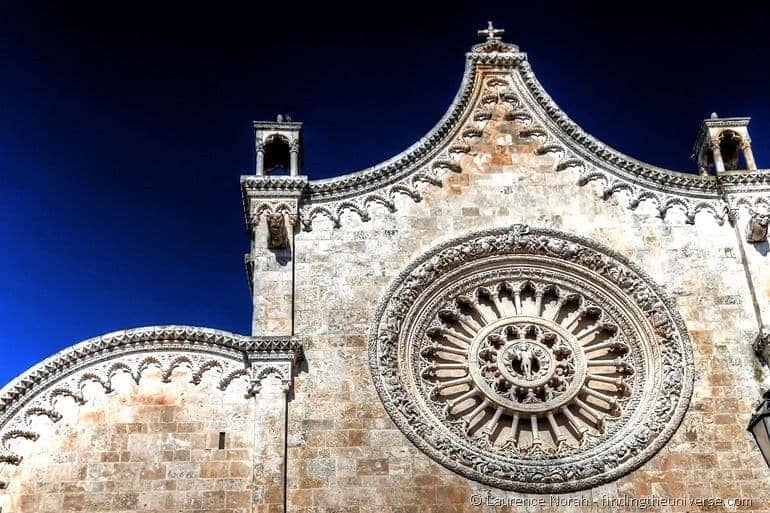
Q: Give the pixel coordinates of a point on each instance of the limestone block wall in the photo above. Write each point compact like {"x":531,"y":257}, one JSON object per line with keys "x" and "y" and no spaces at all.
{"x":150,"y":447}
{"x":758,"y":263}
{"x":345,"y":454}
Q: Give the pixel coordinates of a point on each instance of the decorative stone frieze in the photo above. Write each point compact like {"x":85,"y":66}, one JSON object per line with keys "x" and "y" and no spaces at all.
{"x":100,"y":360}
{"x":740,"y":181}
{"x":530,"y":359}
{"x":273,"y":356}
{"x":499,"y":86}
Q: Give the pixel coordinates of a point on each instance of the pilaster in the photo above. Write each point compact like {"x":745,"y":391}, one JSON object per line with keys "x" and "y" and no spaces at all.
{"x":271,"y":362}
{"x":748,"y":197}
{"x":271,"y":204}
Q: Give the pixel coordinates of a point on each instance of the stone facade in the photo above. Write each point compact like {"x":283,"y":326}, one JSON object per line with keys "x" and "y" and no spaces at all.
{"x":667,"y":271}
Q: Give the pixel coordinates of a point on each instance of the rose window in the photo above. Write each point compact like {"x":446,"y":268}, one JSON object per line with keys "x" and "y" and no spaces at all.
{"x":531,"y":360}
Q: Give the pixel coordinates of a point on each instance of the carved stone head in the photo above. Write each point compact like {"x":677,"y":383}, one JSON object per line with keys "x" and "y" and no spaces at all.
{"x":757,"y":228}
{"x":277,"y":237}
{"x":762,"y":346}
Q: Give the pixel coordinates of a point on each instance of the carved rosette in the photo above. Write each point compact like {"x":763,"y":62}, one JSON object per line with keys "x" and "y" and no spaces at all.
{"x":531,"y":360}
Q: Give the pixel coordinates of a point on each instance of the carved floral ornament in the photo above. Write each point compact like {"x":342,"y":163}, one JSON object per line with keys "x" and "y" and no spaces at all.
{"x":531,"y":360}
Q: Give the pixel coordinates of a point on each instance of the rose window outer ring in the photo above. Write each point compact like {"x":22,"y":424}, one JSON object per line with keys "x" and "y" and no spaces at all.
{"x":471,"y":275}
{"x":647,"y":349}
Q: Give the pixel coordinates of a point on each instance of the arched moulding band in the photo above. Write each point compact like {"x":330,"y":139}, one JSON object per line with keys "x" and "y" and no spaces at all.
{"x":531,"y":359}
{"x":203,"y":352}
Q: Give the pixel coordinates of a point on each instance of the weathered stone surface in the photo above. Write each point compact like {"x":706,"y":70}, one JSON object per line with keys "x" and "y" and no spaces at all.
{"x":346,"y":266}
{"x":141,"y":448}
{"x":132,"y":421}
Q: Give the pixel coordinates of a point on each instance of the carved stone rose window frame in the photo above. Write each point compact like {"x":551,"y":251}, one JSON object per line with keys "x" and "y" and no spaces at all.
{"x":532,"y":360}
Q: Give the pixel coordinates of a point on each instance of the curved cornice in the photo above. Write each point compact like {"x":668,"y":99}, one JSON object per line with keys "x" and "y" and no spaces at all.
{"x":100,"y":359}
{"x":423,"y":162}
{"x":132,"y":339}
{"x":497,"y":73}
{"x":612,"y":160}
{"x":415,"y":156}
{"x":615,"y":171}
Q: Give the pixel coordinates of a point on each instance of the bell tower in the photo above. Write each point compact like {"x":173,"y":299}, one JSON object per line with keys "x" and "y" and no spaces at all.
{"x":271,"y":198}
{"x":723,"y":144}
{"x":278,"y":145}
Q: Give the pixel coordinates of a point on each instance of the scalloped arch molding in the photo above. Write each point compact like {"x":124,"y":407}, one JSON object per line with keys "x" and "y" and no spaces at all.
{"x":499,"y":86}
{"x":100,"y":359}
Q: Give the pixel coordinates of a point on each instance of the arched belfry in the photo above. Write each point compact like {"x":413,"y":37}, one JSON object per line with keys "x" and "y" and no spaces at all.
{"x":278,"y":145}
{"x":723,"y":144}
{"x":272,"y":210}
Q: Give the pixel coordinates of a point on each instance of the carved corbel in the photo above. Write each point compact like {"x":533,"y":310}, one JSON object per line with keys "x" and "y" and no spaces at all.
{"x":756,"y":231}
{"x":762,"y":346}
{"x":277,"y":234}
{"x":262,"y":370}
{"x":280,"y":217}
{"x":273,"y":356}
{"x":11,"y":459}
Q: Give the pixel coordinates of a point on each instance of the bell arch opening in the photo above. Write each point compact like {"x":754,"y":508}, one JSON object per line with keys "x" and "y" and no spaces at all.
{"x":277,"y":155}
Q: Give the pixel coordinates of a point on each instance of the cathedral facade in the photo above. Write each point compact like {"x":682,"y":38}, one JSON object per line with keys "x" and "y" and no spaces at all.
{"x":509,"y":315}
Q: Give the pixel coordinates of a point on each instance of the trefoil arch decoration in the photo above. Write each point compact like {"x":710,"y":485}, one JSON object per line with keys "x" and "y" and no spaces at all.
{"x":499,"y":86}
{"x":102,"y":359}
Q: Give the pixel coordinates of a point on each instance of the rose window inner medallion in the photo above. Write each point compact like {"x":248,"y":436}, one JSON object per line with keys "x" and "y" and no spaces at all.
{"x":531,"y":360}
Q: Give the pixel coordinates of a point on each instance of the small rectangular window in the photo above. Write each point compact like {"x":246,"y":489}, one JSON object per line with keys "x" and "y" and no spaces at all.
{"x":222,"y":440}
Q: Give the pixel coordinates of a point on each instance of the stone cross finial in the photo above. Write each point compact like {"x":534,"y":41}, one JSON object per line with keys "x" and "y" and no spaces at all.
{"x":491,"y":32}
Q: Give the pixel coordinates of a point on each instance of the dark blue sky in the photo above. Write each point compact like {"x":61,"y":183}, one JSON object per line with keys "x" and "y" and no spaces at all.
{"x":123,"y":130}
